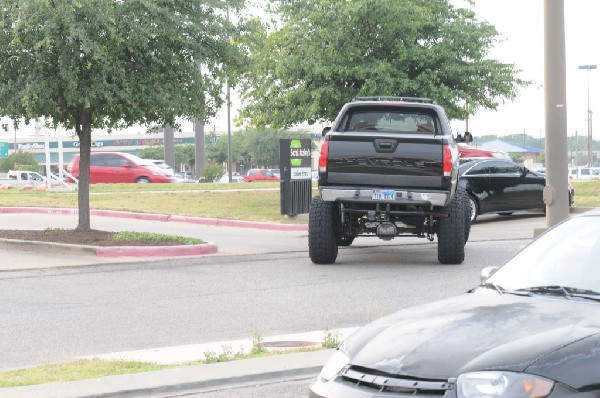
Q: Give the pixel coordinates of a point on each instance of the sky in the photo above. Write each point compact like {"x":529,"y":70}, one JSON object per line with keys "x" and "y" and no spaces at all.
{"x":521,"y":25}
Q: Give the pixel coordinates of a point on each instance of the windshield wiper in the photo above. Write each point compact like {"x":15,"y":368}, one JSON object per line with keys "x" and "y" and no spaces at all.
{"x":563,"y":291}
{"x":502,"y":290}
{"x":489,"y":285}
{"x":583,"y":293}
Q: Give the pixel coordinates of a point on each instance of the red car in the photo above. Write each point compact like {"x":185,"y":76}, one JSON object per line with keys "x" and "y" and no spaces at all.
{"x":260,"y":175}
{"x":118,"y":167}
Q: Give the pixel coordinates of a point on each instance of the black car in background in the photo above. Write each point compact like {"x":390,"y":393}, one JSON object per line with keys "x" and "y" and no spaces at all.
{"x":531,"y":329}
{"x":501,"y":186}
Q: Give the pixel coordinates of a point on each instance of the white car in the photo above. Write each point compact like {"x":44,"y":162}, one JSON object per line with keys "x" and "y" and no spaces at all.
{"x":234,"y":178}
{"x":584,"y":173}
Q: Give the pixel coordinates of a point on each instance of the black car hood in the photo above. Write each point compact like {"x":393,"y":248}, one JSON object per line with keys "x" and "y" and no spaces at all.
{"x":472,"y":332}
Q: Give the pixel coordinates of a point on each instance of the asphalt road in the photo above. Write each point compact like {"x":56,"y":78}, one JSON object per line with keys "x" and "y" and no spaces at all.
{"x":54,"y":314}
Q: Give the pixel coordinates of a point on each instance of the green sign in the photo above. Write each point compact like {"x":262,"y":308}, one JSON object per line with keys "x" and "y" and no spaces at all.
{"x":3,"y":150}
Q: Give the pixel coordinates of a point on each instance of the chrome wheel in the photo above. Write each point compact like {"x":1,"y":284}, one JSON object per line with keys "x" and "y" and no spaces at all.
{"x":474,"y":212}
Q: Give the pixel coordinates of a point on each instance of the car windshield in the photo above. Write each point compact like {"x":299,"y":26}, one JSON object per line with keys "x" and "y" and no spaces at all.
{"x":567,"y":256}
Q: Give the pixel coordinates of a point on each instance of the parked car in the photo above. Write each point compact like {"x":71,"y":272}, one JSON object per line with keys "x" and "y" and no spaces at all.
{"x":163,"y":165}
{"x":276,"y":172}
{"x":121,"y":167}
{"x":260,"y":175}
{"x":234,"y":178}
{"x":584,"y":173}
{"x":501,"y":186}
{"x":184,"y":178}
{"x":530,"y":329}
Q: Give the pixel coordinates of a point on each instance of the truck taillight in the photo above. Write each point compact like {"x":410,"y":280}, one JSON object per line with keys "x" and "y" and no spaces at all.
{"x":323,"y":157}
{"x":447,"y":161}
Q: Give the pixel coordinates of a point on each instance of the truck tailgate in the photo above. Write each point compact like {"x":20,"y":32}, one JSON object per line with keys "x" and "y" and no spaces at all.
{"x":385,"y":160}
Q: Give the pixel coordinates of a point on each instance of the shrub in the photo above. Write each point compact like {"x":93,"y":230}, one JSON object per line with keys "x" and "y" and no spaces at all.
{"x":212,"y":172}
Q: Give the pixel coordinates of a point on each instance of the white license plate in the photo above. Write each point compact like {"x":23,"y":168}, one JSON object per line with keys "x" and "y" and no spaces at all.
{"x":383,"y":194}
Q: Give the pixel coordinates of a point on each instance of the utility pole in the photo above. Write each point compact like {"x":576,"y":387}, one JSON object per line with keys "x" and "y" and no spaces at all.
{"x":555,"y":98}
{"x":229,"y":149}
{"x":589,"y":112}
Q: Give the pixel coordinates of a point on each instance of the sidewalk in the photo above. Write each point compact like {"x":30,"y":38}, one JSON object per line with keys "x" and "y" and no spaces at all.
{"x":181,"y":380}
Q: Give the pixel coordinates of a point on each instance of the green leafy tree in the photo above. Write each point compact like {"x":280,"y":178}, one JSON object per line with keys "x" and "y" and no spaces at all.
{"x":260,"y":147}
{"x":542,"y":158}
{"x":322,"y":53}
{"x":152,"y":152}
{"x":516,"y":157}
{"x":24,"y":160}
{"x":186,"y":154}
{"x":263,"y":146}
{"x":111,"y":64}
{"x":216,"y":149}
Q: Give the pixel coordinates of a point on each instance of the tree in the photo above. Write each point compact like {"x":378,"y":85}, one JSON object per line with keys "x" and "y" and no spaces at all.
{"x":323,"y":53}
{"x":111,"y":64}
{"x":22,"y":160}
{"x":152,"y":152}
{"x":516,"y":157}
{"x":263,"y":146}
{"x":260,"y":146}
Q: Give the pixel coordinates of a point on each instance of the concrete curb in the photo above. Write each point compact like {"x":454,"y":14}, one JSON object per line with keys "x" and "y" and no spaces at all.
{"x":161,"y":217}
{"x":47,"y":247}
{"x":135,"y":251}
{"x":156,"y":251}
{"x":110,"y":251}
{"x":181,"y":380}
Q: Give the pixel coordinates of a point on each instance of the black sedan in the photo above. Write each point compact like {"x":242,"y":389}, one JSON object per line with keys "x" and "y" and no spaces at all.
{"x":501,"y":186}
{"x":531,"y":329}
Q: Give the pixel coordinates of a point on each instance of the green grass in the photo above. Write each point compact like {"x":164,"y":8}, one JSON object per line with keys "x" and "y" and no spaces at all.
{"x":587,"y":193}
{"x":149,"y":236}
{"x":252,"y":201}
{"x":72,"y":371}
{"x":94,"y":368}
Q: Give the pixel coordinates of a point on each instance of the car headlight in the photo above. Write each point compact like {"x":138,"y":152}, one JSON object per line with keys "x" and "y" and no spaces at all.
{"x":503,"y":384}
{"x":334,"y":364}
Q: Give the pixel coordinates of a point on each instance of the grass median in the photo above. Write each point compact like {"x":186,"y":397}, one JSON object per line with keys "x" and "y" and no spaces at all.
{"x":252,"y":201}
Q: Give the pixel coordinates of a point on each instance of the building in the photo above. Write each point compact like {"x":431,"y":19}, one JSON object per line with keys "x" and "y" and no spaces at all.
{"x":530,"y":154}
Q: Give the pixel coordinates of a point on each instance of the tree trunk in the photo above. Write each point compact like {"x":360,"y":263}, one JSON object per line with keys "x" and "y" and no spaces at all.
{"x":169,"y":138}
{"x":200,"y":148}
{"x":84,"y":131}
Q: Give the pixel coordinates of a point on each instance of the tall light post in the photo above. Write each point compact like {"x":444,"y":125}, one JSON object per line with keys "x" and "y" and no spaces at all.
{"x":589,"y":112}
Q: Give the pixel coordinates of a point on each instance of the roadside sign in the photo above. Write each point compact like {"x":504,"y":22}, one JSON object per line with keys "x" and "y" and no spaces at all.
{"x":3,"y":150}
{"x":296,"y":175}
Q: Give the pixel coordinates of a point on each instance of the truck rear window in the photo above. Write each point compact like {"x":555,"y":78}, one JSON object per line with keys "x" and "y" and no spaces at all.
{"x":389,"y":120}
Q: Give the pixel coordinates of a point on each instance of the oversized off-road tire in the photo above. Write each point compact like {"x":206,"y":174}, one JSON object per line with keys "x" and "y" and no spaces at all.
{"x":322,"y":242}
{"x":466,"y":199}
{"x":451,"y":233}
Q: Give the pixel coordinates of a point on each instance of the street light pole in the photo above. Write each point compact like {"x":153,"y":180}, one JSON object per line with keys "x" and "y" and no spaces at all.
{"x":589,"y":112}
{"x":229,"y":149}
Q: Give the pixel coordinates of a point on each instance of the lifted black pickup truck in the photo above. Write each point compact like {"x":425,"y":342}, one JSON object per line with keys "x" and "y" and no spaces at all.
{"x":388,"y":168}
